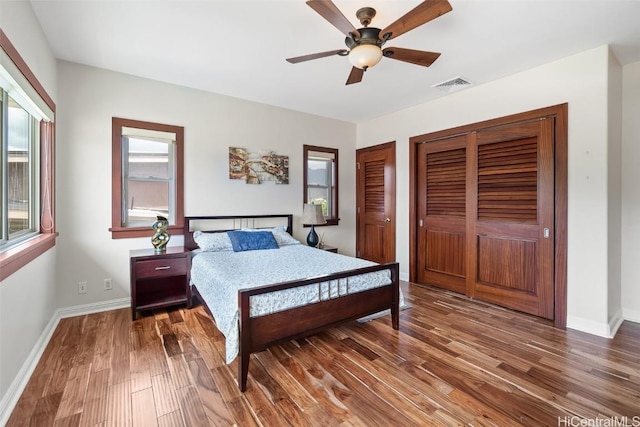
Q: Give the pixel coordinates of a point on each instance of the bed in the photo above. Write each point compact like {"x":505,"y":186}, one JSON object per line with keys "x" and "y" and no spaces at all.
{"x":260,"y":298}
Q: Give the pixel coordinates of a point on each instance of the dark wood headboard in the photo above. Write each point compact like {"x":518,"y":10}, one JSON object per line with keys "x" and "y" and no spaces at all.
{"x":231,"y":222}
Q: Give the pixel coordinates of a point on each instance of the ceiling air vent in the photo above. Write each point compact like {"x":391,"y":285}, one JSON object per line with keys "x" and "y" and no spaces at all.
{"x":453,"y":84}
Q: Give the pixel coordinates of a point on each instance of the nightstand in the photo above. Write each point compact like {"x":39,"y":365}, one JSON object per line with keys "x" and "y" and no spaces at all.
{"x":329,"y":249}
{"x":159,"y":279}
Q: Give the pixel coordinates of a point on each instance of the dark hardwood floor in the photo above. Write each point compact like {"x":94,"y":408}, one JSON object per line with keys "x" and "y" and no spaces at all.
{"x":453,"y":362}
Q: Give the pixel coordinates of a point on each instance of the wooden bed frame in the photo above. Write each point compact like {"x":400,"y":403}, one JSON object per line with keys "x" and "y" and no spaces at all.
{"x":260,"y":333}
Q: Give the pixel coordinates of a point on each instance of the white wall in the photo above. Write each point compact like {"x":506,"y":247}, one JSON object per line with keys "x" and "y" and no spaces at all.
{"x":27,"y":297}
{"x":614,"y":167}
{"x":27,"y":303}
{"x":631,"y":192}
{"x":90,"y":97}
{"x":580,"y":80}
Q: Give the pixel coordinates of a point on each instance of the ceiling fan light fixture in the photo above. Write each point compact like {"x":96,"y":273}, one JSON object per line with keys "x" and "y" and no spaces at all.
{"x":364,"y":45}
{"x":365,"y":56}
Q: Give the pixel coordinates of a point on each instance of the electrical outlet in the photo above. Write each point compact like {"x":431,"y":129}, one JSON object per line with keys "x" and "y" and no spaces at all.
{"x":82,"y":287}
{"x":107,"y":285}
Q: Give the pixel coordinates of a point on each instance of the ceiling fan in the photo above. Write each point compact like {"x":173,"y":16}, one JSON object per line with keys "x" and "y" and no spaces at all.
{"x":365,"y":44}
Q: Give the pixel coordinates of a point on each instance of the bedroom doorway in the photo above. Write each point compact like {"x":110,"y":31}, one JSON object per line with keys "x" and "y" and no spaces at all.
{"x":376,"y":203}
{"x":489,"y":211}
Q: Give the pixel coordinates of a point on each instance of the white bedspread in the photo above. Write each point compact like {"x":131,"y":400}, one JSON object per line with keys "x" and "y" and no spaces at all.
{"x":219,"y":275}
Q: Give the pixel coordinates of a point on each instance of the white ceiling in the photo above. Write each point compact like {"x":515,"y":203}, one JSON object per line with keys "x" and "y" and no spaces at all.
{"x":238,"y":47}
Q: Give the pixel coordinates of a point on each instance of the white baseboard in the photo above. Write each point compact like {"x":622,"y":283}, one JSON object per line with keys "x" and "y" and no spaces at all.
{"x":95,"y":307}
{"x":631,"y":315}
{"x":615,"y":322}
{"x":600,"y":329}
{"x":16,"y":388}
{"x":10,"y":399}
{"x":606,"y":330}
{"x":404,"y":276}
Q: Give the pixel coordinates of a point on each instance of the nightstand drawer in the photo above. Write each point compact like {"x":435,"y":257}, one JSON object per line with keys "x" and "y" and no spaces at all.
{"x":161,"y":268}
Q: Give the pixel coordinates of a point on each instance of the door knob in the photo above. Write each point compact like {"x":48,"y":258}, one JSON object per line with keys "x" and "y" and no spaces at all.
{"x":387,"y":220}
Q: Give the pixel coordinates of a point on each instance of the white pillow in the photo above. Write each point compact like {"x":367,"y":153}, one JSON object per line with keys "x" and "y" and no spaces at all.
{"x":213,"y":242}
{"x":280,"y":233}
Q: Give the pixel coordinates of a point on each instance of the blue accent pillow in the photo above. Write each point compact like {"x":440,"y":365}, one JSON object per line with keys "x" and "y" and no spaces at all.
{"x":252,"y":240}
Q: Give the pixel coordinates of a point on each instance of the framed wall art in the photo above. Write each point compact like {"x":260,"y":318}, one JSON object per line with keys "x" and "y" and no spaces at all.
{"x":256,"y":168}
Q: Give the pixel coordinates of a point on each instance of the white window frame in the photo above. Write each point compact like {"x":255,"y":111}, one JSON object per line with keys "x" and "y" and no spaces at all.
{"x":166,"y":138}
{"x":8,"y":240}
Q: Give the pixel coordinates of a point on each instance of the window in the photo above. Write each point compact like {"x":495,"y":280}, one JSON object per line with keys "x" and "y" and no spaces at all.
{"x":27,"y":134}
{"x":321,"y":180}
{"x":147,"y":177}
{"x":20,"y":130}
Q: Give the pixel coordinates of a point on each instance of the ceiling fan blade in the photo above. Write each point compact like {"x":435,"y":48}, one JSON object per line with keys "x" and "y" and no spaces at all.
{"x":421,"y":14}
{"x":355,"y":76}
{"x":317,"y":55}
{"x":418,"y":57}
{"x":331,"y":13}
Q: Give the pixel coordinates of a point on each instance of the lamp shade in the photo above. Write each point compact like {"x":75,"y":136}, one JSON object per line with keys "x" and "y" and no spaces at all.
{"x":312,"y":214}
{"x":365,"y":56}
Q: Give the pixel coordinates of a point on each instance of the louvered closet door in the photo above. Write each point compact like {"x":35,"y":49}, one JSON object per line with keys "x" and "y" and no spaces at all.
{"x":442,"y":248}
{"x":376,"y":203}
{"x":485,"y":207}
{"x":512,"y":203}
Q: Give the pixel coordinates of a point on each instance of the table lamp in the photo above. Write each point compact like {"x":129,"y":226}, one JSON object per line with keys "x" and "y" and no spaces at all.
{"x":312,"y":215}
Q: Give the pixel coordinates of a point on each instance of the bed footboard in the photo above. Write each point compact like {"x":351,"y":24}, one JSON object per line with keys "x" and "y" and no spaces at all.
{"x":259,"y":333}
